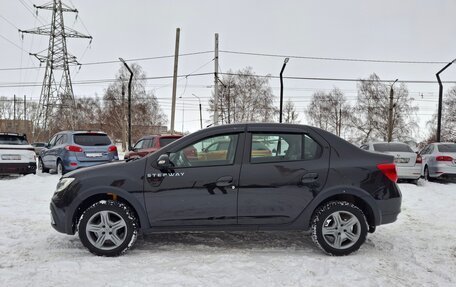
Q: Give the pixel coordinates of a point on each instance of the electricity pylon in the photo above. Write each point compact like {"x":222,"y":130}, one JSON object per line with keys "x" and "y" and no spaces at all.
{"x":56,"y":98}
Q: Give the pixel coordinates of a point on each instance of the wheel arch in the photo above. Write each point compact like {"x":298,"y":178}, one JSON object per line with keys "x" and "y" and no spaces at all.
{"x":358,"y":197}
{"x":108,"y":193}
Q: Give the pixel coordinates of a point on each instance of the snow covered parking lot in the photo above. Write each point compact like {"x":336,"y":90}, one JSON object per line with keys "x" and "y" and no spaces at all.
{"x":417,"y":250}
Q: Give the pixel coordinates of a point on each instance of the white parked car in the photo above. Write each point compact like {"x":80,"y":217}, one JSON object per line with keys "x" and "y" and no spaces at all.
{"x":439,"y":161}
{"x":17,"y":156}
{"x":408,"y":163}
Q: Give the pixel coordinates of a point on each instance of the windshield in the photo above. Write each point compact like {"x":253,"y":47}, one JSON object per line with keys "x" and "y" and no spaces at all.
{"x":395,"y":147}
{"x":91,"y":139}
{"x":446,"y":147}
{"x":13,"y":140}
{"x":166,"y":141}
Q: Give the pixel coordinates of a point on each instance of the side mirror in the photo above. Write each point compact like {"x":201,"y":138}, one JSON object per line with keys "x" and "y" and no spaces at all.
{"x":47,"y":145}
{"x":163,"y":162}
{"x":130,"y":148}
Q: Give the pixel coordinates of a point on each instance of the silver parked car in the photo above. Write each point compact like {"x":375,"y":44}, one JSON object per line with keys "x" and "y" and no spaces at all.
{"x":439,"y":161}
{"x":408,"y":163}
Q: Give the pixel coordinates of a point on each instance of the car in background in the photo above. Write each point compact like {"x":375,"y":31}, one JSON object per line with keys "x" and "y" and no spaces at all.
{"x":38,"y":146}
{"x":70,"y":150}
{"x":149,"y":144}
{"x":408,"y":163}
{"x":17,"y":156}
{"x":439,"y":161}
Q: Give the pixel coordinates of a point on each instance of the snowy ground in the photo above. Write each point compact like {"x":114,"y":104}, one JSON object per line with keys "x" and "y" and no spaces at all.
{"x":418,"y":250}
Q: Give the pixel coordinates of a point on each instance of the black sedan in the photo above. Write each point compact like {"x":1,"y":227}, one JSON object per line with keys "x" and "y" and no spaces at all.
{"x":303,"y":178}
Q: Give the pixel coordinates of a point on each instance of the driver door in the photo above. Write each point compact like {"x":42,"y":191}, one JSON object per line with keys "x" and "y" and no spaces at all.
{"x":197,"y":190}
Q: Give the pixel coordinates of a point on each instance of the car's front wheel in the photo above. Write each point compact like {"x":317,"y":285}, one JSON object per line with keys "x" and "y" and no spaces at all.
{"x":339,"y":228}
{"x":108,"y":228}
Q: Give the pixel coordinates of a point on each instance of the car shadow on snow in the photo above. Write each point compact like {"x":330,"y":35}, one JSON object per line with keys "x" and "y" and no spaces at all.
{"x":226,"y":241}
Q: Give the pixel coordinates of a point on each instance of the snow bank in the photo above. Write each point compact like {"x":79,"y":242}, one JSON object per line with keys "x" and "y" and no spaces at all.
{"x":418,"y":250}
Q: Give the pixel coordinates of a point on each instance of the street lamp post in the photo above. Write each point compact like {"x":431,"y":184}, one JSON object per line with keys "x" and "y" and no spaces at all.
{"x":129,"y":101}
{"x":281,"y":88}
{"x":201,"y":113}
{"x":439,"y":113}
{"x":390,"y":114}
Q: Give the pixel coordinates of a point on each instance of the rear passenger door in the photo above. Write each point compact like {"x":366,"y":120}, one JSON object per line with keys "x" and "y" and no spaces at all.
{"x":275,"y":187}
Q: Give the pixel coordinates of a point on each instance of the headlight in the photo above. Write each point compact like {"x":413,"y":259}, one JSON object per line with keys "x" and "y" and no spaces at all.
{"x":64,"y":183}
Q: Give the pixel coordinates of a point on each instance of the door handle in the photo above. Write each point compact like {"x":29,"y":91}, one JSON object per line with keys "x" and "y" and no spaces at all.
{"x":309,"y":177}
{"x":224,"y":181}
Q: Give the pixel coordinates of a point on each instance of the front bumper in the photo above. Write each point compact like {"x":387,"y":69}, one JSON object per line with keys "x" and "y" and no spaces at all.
{"x":58,"y":220}
{"x":18,"y":168}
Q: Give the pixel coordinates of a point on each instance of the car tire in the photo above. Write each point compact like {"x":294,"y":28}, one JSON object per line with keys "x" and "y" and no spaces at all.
{"x":108,"y":228}
{"x":426,"y":174}
{"x":42,"y":168}
{"x":60,"y":169}
{"x":339,"y":228}
{"x":414,"y":181}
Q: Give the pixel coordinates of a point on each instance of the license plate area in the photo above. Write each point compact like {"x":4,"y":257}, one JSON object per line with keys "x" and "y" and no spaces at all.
{"x":401,"y":160}
{"x":94,"y":154}
{"x":11,"y":157}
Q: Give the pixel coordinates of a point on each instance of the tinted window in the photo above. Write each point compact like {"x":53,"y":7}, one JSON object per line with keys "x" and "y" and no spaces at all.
{"x":446,"y":147}
{"x":147,"y":143}
{"x":13,"y":140}
{"x":166,"y":141}
{"x":276,"y":147}
{"x":398,"y":147}
{"x":218,"y":150}
{"x":61,"y":140}
{"x":91,"y":139}
{"x":312,"y":149}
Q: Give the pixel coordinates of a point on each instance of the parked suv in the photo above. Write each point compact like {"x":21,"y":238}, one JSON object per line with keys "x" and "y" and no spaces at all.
{"x":408,"y":163}
{"x":439,"y":161}
{"x":150,"y":144}
{"x":17,"y":156}
{"x":70,"y":150}
{"x":312,"y":180}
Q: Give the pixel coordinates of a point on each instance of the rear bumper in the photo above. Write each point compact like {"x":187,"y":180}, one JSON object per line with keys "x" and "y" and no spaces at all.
{"x":390,"y":209}
{"x":18,"y":168}
{"x":405,"y":172}
{"x":442,"y":171}
{"x":69,"y":164}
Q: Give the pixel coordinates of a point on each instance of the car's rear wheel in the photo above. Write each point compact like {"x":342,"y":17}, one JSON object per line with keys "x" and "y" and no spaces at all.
{"x":42,"y":167}
{"x":60,"y":169}
{"x":339,"y":228}
{"x":427,"y":176}
{"x":108,"y":228}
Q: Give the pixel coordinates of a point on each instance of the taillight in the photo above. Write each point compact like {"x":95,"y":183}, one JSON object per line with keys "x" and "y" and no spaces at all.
{"x":74,"y":148}
{"x":389,"y":170}
{"x":112,"y":148}
{"x":443,"y":158}
{"x":419,"y":159}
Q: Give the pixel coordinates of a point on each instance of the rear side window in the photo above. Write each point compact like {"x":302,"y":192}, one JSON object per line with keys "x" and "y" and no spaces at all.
{"x":13,"y":140}
{"x":276,"y":147}
{"x":91,"y":139}
{"x":446,"y":147}
{"x":394,"y":147}
{"x":166,"y":141}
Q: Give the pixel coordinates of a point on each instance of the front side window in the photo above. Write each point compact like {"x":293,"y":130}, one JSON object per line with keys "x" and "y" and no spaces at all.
{"x":217,"y":150}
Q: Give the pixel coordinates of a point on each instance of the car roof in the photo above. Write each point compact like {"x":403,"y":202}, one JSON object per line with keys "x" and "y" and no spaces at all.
{"x":161,"y":136}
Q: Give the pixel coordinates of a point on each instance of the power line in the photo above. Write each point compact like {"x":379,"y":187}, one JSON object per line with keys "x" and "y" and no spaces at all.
{"x":336,"y":79}
{"x":114,"y":61}
{"x":334,"y":59}
{"x":83,"y":82}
